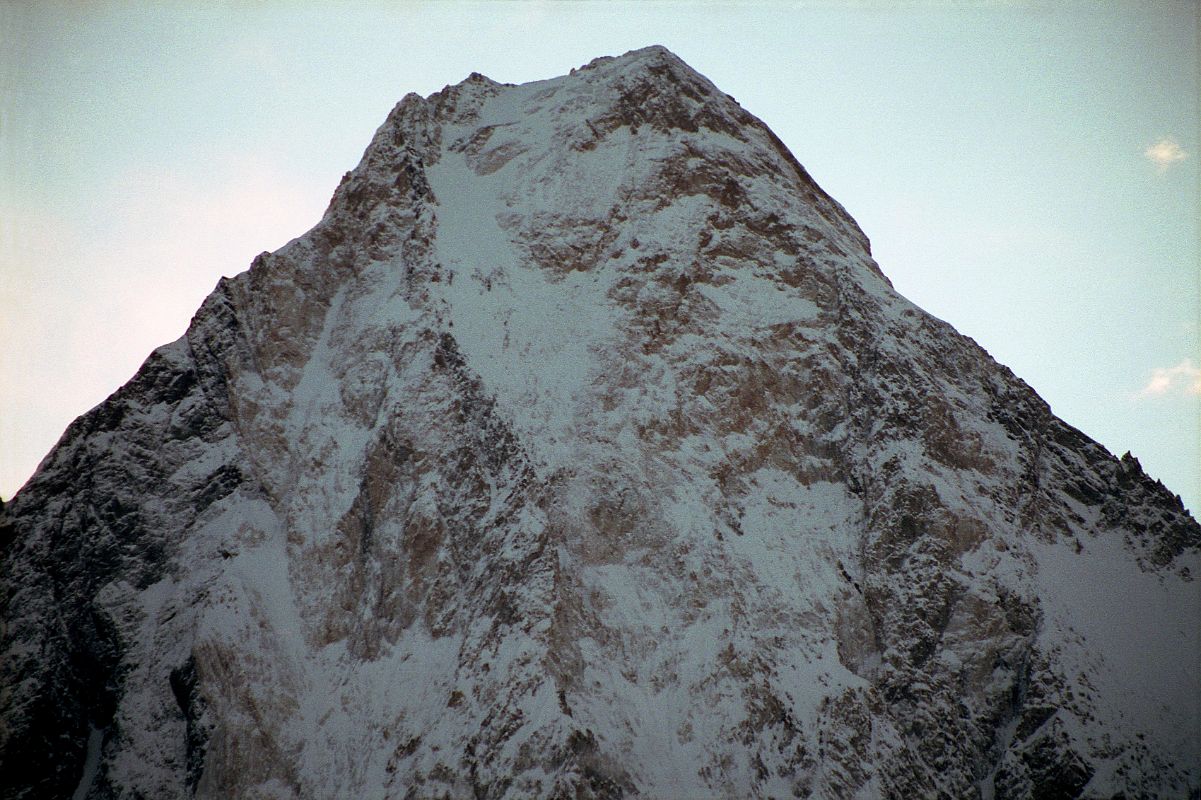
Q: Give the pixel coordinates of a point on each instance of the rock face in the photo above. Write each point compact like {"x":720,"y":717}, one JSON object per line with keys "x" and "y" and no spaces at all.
{"x":582,"y":450}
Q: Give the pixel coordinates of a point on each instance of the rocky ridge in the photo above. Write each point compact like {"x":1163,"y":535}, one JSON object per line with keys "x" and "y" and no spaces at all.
{"x":582,"y":449}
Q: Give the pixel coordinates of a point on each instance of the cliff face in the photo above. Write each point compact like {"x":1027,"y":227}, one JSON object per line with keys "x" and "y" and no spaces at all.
{"x":583,"y":450}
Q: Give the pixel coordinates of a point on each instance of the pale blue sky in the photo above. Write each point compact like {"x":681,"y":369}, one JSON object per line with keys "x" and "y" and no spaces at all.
{"x":995,"y":153}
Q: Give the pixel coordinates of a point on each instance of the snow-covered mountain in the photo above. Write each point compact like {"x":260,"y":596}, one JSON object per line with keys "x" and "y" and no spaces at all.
{"x":582,"y":450}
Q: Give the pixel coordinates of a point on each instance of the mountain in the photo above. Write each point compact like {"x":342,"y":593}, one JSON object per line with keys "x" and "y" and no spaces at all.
{"x":583,"y":450}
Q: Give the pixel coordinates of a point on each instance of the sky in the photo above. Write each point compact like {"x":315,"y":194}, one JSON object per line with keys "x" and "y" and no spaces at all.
{"x":1027,"y":171}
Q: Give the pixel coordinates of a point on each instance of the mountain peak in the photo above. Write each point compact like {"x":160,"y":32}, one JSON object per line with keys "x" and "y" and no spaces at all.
{"x":582,"y":450}
{"x":653,"y":58}
{"x":645,"y":112}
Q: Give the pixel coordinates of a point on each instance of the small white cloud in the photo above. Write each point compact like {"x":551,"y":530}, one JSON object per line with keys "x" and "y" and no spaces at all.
{"x":1165,"y":153}
{"x":1166,"y":379}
